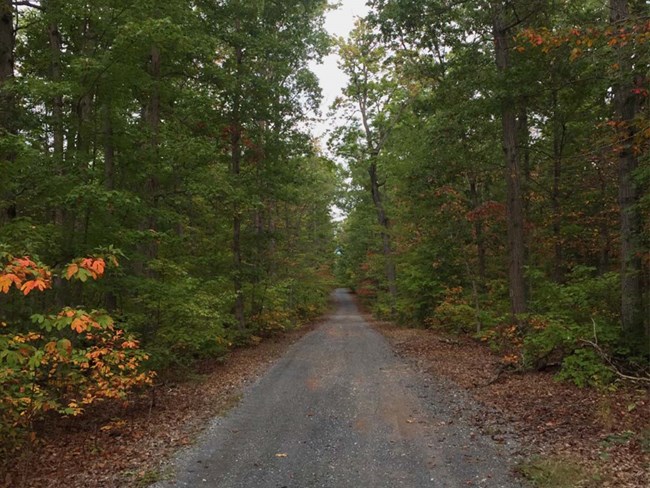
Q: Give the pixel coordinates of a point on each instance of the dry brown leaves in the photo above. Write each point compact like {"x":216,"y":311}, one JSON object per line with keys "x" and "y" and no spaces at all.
{"x":112,"y":446}
{"x":602,"y":430}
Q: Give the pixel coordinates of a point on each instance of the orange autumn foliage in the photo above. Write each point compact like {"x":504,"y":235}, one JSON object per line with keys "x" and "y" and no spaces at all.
{"x":48,"y":369}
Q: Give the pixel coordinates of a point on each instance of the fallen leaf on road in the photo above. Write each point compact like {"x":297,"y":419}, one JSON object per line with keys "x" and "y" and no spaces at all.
{"x":281,"y":454}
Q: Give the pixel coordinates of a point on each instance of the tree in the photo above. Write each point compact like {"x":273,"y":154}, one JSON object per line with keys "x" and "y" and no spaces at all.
{"x":627,"y":104}
{"x":374,"y":96}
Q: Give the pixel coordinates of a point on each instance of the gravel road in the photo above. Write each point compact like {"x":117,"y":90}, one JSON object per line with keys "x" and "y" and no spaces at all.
{"x":340,"y":410}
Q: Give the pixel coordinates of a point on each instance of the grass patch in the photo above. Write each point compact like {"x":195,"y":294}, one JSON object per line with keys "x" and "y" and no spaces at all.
{"x":143,"y":479}
{"x":558,"y":472}
{"x":228,"y":404}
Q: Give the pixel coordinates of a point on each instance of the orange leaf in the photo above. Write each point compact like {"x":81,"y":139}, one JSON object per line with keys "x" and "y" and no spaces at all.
{"x":72,"y":270}
{"x":28,"y":286}
{"x":79,"y":325}
{"x":98,"y":266}
{"x":6,"y":281}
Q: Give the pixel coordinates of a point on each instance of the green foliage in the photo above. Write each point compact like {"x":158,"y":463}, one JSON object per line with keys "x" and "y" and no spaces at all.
{"x":443,"y":187}
{"x":581,"y":311}
{"x":454,"y":314}
{"x":176,"y":132}
{"x":585,"y":368}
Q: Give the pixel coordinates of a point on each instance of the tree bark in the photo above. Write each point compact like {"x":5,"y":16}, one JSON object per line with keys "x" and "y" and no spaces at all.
{"x":7,"y":46}
{"x":626,"y":105}
{"x":235,"y":170}
{"x":478,"y":235}
{"x":387,"y":248}
{"x":559,"y":133}
{"x":514,"y":202}
{"x":58,"y":138}
{"x":7,"y":101}
{"x":153,"y":124}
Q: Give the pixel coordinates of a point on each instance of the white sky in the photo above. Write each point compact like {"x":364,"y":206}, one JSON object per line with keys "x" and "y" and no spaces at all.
{"x":338,"y":22}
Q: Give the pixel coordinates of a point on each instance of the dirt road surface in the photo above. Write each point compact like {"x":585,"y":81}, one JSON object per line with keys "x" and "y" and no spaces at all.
{"x":340,"y":410}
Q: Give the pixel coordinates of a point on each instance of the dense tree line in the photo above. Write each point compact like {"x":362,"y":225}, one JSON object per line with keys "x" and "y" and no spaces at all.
{"x":498,"y":160}
{"x":168,"y":138}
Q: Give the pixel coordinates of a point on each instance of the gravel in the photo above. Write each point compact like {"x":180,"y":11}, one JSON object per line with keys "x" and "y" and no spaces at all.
{"x":340,"y":409}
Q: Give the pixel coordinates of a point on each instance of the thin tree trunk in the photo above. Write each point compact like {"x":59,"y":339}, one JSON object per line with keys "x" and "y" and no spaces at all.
{"x":559,"y":133}
{"x":514,"y":202}
{"x":626,"y":105}
{"x":110,"y":299}
{"x":152,"y":117}
{"x":235,"y":170}
{"x":57,"y":110}
{"x":479,"y":235}
{"x":109,"y":149}
{"x":604,"y":237}
{"x":382,"y":219}
{"x":62,"y":218}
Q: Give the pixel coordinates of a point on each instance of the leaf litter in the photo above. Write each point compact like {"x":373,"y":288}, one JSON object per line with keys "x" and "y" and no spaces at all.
{"x":607,"y":432}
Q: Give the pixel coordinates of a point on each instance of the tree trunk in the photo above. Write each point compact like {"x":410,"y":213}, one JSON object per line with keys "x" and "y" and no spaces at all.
{"x":235,"y":170}
{"x":478,"y":231}
{"x":559,"y":133}
{"x":58,"y":144}
{"x":514,"y":202}
{"x":62,"y":218}
{"x":7,"y":46}
{"x":382,"y":219}
{"x":7,"y":101}
{"x":152,"y":118}
{"x":604,"y":237}
{"x":109,"y":149}
{"x":626,"y":105}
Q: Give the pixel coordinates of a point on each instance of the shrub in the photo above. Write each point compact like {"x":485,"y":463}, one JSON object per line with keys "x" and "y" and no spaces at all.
{"x":454,"y":314}
{"x":64,"y":361}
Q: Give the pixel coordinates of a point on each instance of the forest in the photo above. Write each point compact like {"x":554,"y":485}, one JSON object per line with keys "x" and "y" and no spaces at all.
{"x":161,"y":147}
{"x":163,"y":200}
{"x":498,"y":177}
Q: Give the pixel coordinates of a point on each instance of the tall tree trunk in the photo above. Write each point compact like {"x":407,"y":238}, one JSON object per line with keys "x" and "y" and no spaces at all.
{"x":110,"y":298}
{"x":62,"y":218}
{"x":235,"y":170}
{"x":382,"y":219}
{"x":58,"y":137}
{"x":152,"y":117}
{"x":559,"y":134}
{"x":7,"y":46}
{"x":626,"y":105}
{"x":479,"y":234}
{"x":514,"y":202}
{"x":7,"y":101}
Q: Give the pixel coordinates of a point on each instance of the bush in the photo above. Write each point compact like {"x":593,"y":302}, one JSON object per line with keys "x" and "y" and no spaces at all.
{"x":454,"y":314}
{"x":585,"y":367}
{"x":64,"y":361}
{"x":181,"y":319}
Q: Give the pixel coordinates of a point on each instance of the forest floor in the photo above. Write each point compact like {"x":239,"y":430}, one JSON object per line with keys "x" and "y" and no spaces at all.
{"x":582,"y":436}
{"x":112,"y":446}
{"x":574,"y":436}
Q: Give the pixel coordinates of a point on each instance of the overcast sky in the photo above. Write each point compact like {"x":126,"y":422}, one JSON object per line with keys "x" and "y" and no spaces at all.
{"x":338,"y":23}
